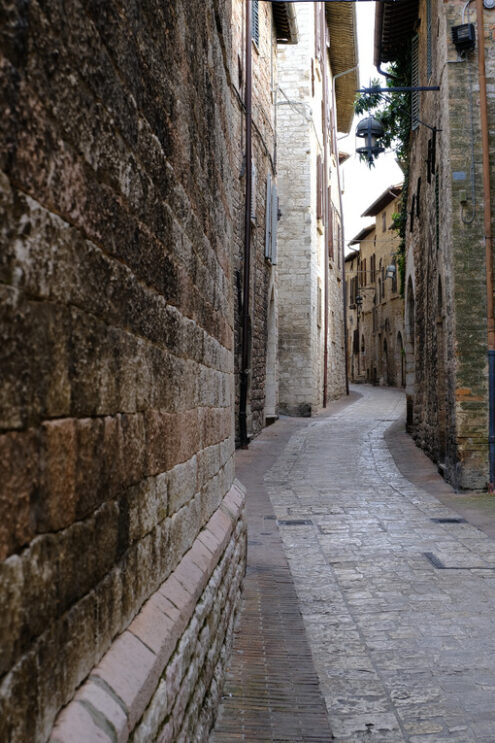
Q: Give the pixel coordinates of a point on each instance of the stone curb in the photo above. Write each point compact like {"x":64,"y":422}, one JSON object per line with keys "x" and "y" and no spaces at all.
{"x":111,"y":701}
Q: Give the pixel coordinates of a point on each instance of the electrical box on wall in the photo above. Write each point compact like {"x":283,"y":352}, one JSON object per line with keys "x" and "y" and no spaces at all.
{"x":464,"y":37}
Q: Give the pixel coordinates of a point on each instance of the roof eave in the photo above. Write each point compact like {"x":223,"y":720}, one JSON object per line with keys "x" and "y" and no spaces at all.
{"x":343,"y":52}
{"x":284,"y":16}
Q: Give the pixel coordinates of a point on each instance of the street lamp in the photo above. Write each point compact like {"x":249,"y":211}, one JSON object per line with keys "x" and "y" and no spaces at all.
{"x":371,"y":130}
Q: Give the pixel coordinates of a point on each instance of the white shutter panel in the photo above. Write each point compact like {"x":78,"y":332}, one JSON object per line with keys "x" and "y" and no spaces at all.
{"x":268,"y":218}
{"x":274,"y":211}
{"x":253,"y":193}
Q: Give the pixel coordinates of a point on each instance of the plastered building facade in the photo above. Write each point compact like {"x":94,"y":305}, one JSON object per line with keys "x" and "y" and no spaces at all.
{"x":375,"y":317}
{"x":311,"y":106}
{"x":446,"y":274}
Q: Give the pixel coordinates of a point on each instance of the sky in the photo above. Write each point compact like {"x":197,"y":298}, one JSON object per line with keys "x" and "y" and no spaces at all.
{"x":361,"y":186}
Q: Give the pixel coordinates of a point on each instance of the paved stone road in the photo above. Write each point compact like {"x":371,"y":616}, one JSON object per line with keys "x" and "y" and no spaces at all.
{"x":398,"y":600}
{"x":399,"y":609}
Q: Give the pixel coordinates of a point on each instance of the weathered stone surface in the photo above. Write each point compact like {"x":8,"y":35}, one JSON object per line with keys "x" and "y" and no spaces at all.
{"x":116,"y":329}
{"x":162,"y":664}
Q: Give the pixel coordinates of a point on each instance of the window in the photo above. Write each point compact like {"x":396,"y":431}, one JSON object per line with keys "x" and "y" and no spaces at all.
{"x":255,"y":22}
{"x":319,"y":188}
{"x":271,"y":220}
{"x":394,"y":277}
{"x":415,"y":82}
{"x":384,"y":221}
{"x":372,"y":269}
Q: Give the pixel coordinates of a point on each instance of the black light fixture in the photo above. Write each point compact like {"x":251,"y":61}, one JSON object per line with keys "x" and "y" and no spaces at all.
{"x":371,"y":130}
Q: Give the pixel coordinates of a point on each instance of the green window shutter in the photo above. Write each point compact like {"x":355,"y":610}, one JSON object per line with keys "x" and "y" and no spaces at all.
{"x":415,"y":82}
{"x":255,"y":22}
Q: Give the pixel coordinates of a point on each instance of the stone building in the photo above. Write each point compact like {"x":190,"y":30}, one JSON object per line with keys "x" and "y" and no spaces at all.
{"x":375,"y":315}
{"x":317,"y":82}
{"x":449,"y":293}
{"x":271,"y":25}
{"x":122,"y":537}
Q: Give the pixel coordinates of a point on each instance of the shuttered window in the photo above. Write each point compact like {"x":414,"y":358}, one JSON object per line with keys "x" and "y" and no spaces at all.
{"x":255,"y":22}
{"x":253,"y":193}
{"x":415,"y":82}
{"x":319,"y":188}
{"x":271,"y":219}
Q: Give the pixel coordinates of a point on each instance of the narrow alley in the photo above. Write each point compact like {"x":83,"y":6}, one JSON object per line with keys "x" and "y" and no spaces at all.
{"x":394,"y":581}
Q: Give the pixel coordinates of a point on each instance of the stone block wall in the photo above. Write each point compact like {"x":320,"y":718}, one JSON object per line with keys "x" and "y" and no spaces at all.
{"x":447,"y":256}
{"x":116,"y":326}
{"x":262,"y":273}
{"x":304,"y":265}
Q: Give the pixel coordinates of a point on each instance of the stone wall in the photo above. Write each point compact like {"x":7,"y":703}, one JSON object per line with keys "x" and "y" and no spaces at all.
{"x":446,"y":259}
{"x":304,"y":263}
{"x":262,"y":273}
{"x":116,"y":407}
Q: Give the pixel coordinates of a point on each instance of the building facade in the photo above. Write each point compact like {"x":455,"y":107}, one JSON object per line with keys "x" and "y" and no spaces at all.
{"x":317,"y":80}
{"x":255,"y":286}
{"x":122,"y":536}
{"x":449,"y":293}
{"x":375,"y":317}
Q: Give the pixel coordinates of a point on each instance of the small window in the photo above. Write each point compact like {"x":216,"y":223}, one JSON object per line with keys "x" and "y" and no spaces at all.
{"x":255,"y":22}
{"x":384,"y":221}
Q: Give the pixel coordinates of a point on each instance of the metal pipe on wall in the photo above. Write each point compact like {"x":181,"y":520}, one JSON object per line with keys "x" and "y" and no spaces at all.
{"x":244,"y":370}
{"x":485,"y":144}
{"x":328,"y":225}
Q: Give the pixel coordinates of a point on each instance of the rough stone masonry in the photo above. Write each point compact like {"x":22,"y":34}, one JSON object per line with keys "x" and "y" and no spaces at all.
{"x":122,"y":535}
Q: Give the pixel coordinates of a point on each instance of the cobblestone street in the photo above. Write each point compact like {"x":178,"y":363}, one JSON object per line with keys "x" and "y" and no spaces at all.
{"x":395,"y":580}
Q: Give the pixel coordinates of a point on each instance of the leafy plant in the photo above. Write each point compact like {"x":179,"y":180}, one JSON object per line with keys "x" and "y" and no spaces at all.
{"x":393,"y":110}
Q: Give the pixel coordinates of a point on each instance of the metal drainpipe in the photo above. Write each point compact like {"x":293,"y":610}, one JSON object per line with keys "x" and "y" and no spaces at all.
{"x":244,"y":371}
{"x":488,"y":240}
{"x":342,"y":247}
{"x":328,"y":226}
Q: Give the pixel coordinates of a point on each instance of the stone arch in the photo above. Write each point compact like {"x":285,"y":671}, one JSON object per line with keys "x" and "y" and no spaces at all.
{"x":410,"y":322}
{"x":385,"y":364}
{"x":441,"y":391}
{"x":400,"y":360}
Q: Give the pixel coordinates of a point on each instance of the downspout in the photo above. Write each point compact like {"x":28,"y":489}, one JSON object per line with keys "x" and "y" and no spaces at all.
{"x":328,"y":226}
{"x":342,"y":247}
{"x":244,"y":371}
{"x":488,"y":240}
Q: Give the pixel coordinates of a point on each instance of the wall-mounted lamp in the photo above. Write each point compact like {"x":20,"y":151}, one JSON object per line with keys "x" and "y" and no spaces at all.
{"x":371,"y":130}
{"x":390,"y":272}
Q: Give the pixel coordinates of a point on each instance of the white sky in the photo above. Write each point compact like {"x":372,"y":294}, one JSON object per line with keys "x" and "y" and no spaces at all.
{"x":361,"y":186}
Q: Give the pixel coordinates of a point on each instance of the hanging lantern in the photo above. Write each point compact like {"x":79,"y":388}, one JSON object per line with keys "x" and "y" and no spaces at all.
{"x":371,"y":130}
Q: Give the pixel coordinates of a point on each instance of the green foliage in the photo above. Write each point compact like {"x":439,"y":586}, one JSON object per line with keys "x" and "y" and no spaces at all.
{"x":393,"y":110}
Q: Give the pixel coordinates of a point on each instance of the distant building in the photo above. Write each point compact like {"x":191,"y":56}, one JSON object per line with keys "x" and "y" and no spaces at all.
{"x":375,"y":316}
{"x":317,"y":82}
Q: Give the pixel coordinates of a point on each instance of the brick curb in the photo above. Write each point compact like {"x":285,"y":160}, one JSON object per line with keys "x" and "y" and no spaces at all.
{"x":112,"y":700}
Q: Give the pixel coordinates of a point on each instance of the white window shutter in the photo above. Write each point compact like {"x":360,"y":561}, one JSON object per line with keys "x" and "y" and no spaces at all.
{"x":253,"y":193}
{"x":274,"y":210}
{"x":268,"y":218}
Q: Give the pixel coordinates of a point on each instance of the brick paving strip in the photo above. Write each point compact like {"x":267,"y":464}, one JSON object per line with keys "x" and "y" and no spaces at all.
{"x":272,"y":691}
{"x":396,"y":590}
